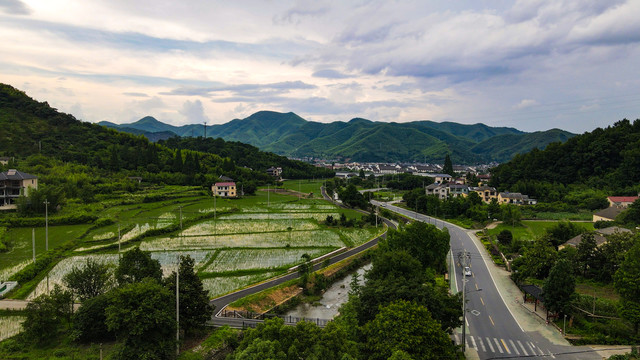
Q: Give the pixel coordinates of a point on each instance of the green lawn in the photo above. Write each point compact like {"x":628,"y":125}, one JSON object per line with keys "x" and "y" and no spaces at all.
{"x":532,"y":229}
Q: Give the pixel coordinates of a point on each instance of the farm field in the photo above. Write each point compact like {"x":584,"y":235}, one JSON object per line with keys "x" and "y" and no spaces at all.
{"x":305,"y":186}
{"x":248,"y":240}
{"x":532,"y":229}
{"x":21,"y":249}
{"x":10,"y":325}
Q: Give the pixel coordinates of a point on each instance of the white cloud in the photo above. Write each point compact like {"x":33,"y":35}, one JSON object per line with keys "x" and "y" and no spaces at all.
{"x":464,"y":61}
{"x":525,"y":103}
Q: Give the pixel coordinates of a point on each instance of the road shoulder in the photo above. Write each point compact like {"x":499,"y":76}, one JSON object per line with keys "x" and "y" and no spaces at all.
{"x":512,"y":296}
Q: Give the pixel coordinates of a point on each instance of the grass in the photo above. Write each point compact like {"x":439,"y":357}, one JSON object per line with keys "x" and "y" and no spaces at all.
{"x":571,"y":216}
{"x":601,"y":291}
{"x":217,"y":286}
{"x":304,"y":186}
{"x":22,"y":246}
{"x":531,"y":229}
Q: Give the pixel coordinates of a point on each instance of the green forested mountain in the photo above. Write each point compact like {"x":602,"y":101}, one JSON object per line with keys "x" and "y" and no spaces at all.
{"x":604,"y":158}
{"x":30,"y":128}
{"x":365,"y":140}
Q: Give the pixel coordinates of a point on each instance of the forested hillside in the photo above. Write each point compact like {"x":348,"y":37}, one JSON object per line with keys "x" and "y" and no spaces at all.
{"x":606,"y":159}
{"x":364,"y":140}
{"x":33,"y":130}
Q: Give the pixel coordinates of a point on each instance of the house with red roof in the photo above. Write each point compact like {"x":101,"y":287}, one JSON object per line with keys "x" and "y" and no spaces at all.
{"x":621,"y":201}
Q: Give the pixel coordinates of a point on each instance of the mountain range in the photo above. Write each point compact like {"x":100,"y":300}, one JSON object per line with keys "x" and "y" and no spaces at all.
{"x":361,"y":139}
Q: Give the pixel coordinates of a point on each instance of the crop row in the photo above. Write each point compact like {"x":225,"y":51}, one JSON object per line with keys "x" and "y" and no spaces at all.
{"x":10,"y":325}
{"x":315,"y":238}
{"x":223,"y":226}
{"x":230,"y":260}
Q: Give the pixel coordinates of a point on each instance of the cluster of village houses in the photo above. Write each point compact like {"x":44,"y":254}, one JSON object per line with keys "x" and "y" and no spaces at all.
{"x":14,"y":183}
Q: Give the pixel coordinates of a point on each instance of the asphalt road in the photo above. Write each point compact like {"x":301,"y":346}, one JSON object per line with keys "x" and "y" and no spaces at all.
{"x":492,"y":330}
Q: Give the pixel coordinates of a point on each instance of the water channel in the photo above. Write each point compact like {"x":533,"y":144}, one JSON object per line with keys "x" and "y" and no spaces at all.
{"x":332,"y":299}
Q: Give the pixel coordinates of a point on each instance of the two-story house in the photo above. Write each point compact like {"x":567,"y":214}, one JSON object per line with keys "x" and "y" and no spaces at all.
{"x":14,"y":183}
{"x":486,"y":193}
{"x":442,"y":191}
{"x":515,"y":199}
{"x":224,"y":189}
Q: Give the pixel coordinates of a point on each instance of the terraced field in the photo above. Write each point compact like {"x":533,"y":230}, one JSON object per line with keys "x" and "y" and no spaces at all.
{"x":234,"y":242}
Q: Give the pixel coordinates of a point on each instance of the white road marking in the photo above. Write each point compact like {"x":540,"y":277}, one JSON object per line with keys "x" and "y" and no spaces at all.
{"x":490,"y":346}
{"x":498,"y":345}
{"x":523,"y":349}
{"x":482,"y":344}
{"x":514,"y":347}
{"x":473,"y":341}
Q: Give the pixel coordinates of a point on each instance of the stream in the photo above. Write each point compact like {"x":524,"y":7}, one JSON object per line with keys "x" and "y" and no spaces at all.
{"x":336,"y":295}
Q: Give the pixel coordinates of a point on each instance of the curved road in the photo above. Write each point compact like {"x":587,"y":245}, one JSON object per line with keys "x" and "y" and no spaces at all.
{"x":492,"y":330}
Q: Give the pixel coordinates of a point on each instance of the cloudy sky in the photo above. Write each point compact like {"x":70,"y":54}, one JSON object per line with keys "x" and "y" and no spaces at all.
{"x":533,"y":65}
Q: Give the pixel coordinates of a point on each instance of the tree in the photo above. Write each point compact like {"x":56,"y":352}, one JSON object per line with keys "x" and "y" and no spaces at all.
{"x":425,"y":242}
{"x":136,"y":265}
{"x":559,"y":287}
{"x":448,"y":166}
{"x":505,"y":237}
{"x":143,"y":318}
{"x":408,"y":327}
{"x":177,"y":164}
{"x":89,"y":322}
{"x":626,"y":283}
{"x":586,"y":252}
{"x":304,"y":270}
{"x":194,"y":300}
{"x":538,"y":259}
{"x":46,"y":314}
{"x":89,"y":281}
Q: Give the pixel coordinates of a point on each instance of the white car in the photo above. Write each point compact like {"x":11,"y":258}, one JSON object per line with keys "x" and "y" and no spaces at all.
{"x":467,"y":271}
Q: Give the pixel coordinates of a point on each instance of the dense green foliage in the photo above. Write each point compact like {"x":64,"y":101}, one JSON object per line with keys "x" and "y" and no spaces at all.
{"x":140,"y":314}
{"x":559,"y":287}
{"x":248,"y":156}
{"x":136,"y":265}
{"x":602,"y":159}
{"x":88,"y":281}
{"x":194,"y":300}
{"x":364,"y":140}
{"x":627,"y":285}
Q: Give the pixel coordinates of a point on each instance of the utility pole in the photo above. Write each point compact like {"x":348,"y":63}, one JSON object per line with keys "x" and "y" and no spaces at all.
{"x":205,"y":129}
{"x":118,"y":239}
{"x":215,"y":222}
{"x":180,"y":217}
{"x":33,"y":242}
{"x":46,"y":224}
{"x":178,"y":308}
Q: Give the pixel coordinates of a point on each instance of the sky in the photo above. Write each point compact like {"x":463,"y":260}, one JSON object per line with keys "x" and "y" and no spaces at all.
{"x":533,"y":65}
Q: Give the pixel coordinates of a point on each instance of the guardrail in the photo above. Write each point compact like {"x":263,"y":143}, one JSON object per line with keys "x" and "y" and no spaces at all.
{"x":288,"y":319}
